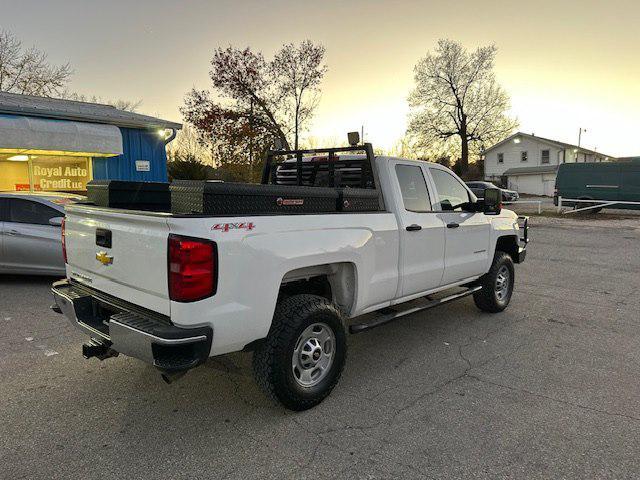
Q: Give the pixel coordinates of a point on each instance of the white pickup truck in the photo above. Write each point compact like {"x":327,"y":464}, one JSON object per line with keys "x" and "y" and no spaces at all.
{"x":174,"y":289}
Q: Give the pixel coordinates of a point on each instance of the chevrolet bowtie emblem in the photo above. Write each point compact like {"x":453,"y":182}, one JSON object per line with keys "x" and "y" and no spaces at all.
{"x":103,"y":258}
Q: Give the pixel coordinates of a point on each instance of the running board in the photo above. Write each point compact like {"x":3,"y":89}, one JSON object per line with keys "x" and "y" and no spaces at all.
{"x":389,"y":317}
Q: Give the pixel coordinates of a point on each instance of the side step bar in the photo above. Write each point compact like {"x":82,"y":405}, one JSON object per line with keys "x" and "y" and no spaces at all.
{"x":389,"y":317}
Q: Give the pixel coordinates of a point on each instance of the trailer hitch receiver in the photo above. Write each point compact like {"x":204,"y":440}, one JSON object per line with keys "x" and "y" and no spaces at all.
{"x":98,"y":349}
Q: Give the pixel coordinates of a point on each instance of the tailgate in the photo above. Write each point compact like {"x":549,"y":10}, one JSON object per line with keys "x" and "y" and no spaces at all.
{"x":120,"y":253}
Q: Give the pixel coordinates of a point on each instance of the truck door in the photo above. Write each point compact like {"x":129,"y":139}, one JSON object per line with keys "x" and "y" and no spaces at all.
{"x":421,"y":232}
{"x":467,"y":234}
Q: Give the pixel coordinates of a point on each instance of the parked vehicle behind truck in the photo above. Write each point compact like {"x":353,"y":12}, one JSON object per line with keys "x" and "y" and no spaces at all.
{"x":612,"y":181}
{"x":478,"y":188}
{"x":285,"y":270}
{"x":30,"y":232}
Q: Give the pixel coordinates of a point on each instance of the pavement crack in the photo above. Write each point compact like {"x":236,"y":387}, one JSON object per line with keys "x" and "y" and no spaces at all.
{"x":553,"y":399}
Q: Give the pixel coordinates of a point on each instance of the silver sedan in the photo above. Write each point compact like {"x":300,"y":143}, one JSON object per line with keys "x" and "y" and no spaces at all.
{"x":30,"y":232}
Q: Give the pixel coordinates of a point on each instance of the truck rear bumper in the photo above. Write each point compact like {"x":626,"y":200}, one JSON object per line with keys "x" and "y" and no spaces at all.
{"x":116,"y":326}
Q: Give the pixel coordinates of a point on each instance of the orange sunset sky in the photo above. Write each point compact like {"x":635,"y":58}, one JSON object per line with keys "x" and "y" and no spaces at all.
{"x":566,"y":64}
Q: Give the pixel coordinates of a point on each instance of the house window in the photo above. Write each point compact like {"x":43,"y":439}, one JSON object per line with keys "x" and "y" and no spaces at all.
{"x":501,"y":158}
{"x":523,"y":156}
{"x":545,"y":156}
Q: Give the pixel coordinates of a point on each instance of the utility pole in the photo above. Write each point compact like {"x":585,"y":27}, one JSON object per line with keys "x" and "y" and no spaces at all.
{"x":580,"y":130}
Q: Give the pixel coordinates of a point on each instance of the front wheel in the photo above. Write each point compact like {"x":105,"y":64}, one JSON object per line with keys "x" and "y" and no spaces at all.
{"x":302,"y":358}
{"x":497,"y":285}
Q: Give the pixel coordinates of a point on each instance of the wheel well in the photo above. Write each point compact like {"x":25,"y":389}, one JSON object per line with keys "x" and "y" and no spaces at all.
{"x":318,"y":285}
{"x":335,"y":282}
{"x":509,"y":245}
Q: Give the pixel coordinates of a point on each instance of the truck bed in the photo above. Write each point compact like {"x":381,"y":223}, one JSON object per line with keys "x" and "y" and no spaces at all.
{"x":248,"y":248}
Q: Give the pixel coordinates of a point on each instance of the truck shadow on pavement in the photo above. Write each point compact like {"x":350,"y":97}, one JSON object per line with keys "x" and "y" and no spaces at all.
{"x":402,"y":360}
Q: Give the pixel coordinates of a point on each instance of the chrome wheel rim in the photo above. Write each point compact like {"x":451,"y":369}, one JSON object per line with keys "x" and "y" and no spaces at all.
{"x":313,"y":354}
{"x":502,"y":283}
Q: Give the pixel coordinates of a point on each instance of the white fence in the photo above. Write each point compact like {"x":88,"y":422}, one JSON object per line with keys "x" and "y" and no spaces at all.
{"x":592,"y":204}
{"x":517,"y":202}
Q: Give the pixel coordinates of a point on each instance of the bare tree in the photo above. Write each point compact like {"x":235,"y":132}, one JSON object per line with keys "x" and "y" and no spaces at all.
{"x":403,"y":148}
{"x":120,"y":104}
{"x":189,"y":145}
{"x":298,"y":72}
{"x":254,"y":101}
{"x":27,"y":70}
{"x":457,"y":105}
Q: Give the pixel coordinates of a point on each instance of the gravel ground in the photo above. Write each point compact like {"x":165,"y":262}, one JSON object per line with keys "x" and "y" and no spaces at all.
{"x":547,"y":389}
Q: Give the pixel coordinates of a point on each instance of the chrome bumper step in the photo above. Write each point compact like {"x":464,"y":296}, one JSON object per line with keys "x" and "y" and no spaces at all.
{"x":153,"y":340}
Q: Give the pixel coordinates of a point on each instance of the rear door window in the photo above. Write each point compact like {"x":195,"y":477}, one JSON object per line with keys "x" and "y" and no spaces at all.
{"x":415,"y":195}
{"x":27,"y":211}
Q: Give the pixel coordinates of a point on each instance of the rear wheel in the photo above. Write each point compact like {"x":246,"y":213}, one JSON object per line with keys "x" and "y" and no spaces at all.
{"x":302,"y":358}
{"x":497,"y":285}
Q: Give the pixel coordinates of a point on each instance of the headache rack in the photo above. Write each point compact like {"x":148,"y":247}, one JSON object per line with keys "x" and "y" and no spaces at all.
{"x":325,"y":167}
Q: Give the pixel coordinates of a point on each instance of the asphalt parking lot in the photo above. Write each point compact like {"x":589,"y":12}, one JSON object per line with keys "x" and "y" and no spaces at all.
{"x":547,"y":389}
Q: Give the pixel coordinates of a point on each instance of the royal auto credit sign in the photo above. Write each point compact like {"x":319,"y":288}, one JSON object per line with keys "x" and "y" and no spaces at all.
{"x":62,"y":177}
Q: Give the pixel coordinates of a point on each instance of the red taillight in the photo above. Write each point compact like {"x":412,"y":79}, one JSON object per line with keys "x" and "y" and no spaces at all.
{"x":192,"y":268}
{"x":64,"y":242}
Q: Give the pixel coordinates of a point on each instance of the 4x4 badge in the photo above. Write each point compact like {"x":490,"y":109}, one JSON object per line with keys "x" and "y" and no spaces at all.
{"x":225,"y":227}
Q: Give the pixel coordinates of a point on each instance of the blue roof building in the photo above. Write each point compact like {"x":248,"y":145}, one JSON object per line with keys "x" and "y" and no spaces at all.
{"x":49,"y":144}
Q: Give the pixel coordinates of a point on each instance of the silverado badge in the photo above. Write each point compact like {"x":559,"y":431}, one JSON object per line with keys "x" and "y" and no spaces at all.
{"x":104,"y":259}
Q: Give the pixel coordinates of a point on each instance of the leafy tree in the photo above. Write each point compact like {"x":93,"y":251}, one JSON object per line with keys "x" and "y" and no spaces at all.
{"x":457,"y":104}
{"x":27,"y":71}
{"x":254,"y":102}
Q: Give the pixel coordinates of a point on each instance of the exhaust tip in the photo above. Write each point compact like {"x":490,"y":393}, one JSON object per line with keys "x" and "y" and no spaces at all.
{"x":170,"y":377}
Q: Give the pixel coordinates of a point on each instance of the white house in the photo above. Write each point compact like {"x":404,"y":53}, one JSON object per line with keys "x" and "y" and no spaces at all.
{"x":528,"y":164}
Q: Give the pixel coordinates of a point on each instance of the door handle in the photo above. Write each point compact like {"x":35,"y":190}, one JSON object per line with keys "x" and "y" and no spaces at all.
{"x":414,"y":227}
{"x":453,"y":225}
{"x":13,"y":232}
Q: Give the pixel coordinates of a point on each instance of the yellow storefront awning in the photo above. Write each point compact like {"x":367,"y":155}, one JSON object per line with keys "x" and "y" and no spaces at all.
{"x":42,"y":136}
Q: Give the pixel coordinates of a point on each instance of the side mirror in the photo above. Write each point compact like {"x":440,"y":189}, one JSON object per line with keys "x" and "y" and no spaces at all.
{"x":492,"y":201}
{"x":56,"y":221}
